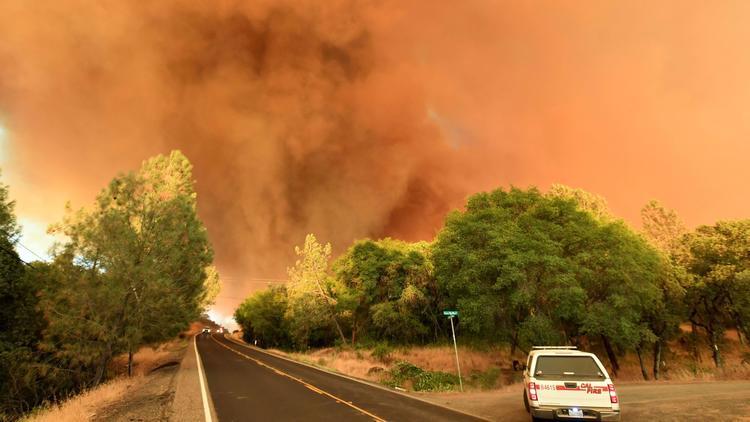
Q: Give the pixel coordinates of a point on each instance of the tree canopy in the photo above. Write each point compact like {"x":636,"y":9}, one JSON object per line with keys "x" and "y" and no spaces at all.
{"x":719,"y":260}
{"x":21,"y":321}
{"x":529,"y":268}
{"x":134,"y":270}
{"x":389,"y":290}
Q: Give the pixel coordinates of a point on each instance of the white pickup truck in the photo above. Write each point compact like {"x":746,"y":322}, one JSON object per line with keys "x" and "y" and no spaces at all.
{"x":563,"y":383}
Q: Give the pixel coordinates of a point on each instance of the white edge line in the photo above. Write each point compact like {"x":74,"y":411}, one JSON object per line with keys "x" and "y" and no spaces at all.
{"x":361,"y":381}
{"x":204,"y":396}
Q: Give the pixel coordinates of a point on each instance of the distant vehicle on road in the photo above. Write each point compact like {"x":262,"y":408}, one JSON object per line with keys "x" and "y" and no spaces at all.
{"x":563,"y":383}
{"x":206,"y":331}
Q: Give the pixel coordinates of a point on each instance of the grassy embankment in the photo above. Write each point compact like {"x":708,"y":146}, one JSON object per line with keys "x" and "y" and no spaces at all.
{"x":85,"y":406}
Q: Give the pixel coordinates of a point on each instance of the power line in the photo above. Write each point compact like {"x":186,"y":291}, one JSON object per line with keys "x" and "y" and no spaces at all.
{"x":14,"y":254}
{"x":32,"y":252}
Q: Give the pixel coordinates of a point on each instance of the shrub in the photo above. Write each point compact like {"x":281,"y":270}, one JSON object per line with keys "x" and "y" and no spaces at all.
{"x":404,"y":370}
{"x":435,"y":381}
{"x":421,"y":380}
{"x":382,"y":352}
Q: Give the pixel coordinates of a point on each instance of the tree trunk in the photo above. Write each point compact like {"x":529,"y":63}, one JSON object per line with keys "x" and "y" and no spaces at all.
{"x":576,"y":340}
{"x":694,"y":341}
{"x":715,"y":353}
{"x":640,"y":362}
{"x":338,"y":327}
{"x":611,"y":355}
{"x":657,"y":359}
{"x":513,"y":342}
{"x":130,"y":361}
{"x":103,"y":363}
{"x":740,"y":330}
{"x":333,"y":310}
{"x":738,"y":322}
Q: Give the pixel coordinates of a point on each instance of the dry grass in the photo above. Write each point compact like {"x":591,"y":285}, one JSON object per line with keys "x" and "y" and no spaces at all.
{"x":361,"y":364}
{"x":147,"y":358}
{"x":83,"y":406}
{"x":680,"y":364}
{"x":443,"y":358}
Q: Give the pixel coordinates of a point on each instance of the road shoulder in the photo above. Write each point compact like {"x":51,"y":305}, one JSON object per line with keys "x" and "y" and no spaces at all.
{"x":188,"y":402}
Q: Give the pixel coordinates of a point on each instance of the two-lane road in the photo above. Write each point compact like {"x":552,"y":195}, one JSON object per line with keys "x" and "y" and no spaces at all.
{"x":249,"y":385}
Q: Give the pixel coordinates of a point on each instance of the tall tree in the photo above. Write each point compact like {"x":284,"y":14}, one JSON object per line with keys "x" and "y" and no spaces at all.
{"x":664,"y":229}
{"x":262,"y":317}
{"x":532,"y":269}
{"x":720,"y":297}
{"x":21,"y":321}
{"x":592,"y":203}
{"x":389,"y":291}
{"x":135,"y":266}
{"x":311,"y":303}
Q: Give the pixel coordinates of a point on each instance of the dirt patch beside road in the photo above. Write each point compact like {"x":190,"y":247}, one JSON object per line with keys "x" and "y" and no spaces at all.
{"x":662,"y":401}
{"x":718,"y":400}
{"x":150,"y":400}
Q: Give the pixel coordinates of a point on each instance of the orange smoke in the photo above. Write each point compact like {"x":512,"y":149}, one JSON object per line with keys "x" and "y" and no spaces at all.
{"x":352,"y":119}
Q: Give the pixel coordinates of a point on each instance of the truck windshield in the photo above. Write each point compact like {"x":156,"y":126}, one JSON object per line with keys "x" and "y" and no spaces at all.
{"x":567,"y":367}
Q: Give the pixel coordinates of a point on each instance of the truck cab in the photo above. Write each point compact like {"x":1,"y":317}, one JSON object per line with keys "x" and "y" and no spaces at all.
{"x":563,"y":383}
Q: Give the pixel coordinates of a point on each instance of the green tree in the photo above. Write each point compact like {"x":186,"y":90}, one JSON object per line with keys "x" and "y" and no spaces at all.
{"x":497,"y":260}
{"x":134,"y":269}
{"x":528,"y":268}
{"x":21,"y":322}
{"x":211,"y":288}
{"x":620,"y":272}
{"x":388,"y":290}
{"x":663,"y":228}
{"x":312,"y":307}
{"x":262,"y":317}
{"x":592,"y":203}
{"x":719,"y":259}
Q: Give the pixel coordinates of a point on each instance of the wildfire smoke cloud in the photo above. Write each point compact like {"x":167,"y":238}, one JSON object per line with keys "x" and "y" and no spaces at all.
{"x":369,"y":118}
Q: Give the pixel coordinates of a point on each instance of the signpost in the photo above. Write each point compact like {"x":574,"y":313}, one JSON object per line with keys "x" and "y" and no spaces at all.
{"x":450,"y":314}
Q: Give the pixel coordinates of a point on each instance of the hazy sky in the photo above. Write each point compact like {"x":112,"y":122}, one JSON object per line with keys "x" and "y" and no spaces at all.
{"x":373,"y":118}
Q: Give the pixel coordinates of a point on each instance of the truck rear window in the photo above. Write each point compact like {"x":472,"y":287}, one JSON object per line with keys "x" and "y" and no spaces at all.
{"x":567,"y":367}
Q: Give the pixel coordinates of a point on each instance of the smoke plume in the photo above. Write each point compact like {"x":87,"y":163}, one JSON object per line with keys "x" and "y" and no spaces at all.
{"x":371,"y":118}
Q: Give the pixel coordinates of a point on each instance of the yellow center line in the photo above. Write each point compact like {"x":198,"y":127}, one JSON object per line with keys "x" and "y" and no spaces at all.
{"x":306,"y":384}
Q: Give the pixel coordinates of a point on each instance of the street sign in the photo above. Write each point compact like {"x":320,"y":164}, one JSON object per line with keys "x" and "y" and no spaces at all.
{"x":450,"y":314}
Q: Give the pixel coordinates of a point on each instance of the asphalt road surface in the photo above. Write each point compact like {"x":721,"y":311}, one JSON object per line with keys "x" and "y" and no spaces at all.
{"x":248,"y":385}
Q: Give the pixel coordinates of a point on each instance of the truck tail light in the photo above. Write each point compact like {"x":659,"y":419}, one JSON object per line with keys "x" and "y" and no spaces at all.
{"x":532,"y":392}
{"x":612,"y":393}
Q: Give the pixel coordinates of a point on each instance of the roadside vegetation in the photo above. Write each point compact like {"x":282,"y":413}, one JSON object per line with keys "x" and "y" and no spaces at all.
{"x":134,"y":270}
{"x":523,"y":268}
{"x":84,"y":406}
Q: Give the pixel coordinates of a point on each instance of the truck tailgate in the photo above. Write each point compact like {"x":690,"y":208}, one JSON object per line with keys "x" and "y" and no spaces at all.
{"x":573,"y":394}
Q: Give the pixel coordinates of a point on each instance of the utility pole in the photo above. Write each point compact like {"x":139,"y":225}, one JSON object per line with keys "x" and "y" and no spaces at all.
{"x":450,"y":315}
